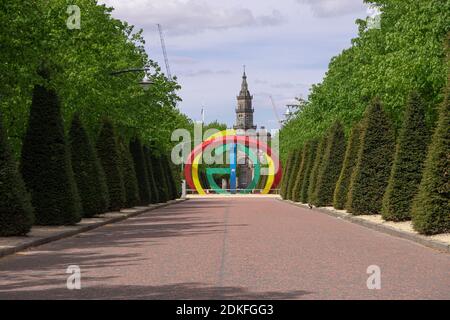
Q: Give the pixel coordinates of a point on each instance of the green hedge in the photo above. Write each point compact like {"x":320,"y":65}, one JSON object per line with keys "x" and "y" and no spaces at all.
{"x":408,"y":163}
{"x":371,"y":175}
{"x":16,"y":212}
{"x":129,"y":177}
{"x":310,"y":156}
{"x":351,"y":157}
{"x":88,"y":172}
{"x":285,"y":179}
{"x":46,"y":163}
{"x":141,"y":168}
{"x":431,"y":207}
{"x":298,"y":178}
{"x":151,"y":168}
{"x":331,"y":166}
{"x":315,"y":170}
{"x":296,"y":160}
{"x":108,"y":152}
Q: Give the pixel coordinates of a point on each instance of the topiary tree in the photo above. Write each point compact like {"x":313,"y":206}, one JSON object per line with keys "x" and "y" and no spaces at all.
{"x":129,"y":177}
{"x":351,"y":156}
{"x":431,"y":207}
{"x":371,"y":175}
{"x":46,"y":164}
{"x":331,"y":166}
{"x":408,"y":163}
{"x":310,"y":156}
{"x":154,"y":191}
{"x":315,"y":170}
{"x":300,"y":174}
{"x":173,"y":193}
{"x":284,"y":182}
{"x":16,"y":212}
{"x":88,"y":172}
{"x":293,"y":173}
{"x":160,"y":176}
{"x":108,"y":152}
{"x":141,"y":168}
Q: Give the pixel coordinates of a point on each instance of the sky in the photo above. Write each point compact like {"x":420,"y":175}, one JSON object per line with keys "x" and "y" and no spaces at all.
{"x":286,"y":46}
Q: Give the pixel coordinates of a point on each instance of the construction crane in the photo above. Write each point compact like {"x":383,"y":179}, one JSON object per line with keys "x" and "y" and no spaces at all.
{"x":276,"y":111}
{"x":166,"y":59}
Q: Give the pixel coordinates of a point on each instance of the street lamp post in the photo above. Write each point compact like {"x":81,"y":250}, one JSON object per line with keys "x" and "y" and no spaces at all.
{"x":145,"y":83}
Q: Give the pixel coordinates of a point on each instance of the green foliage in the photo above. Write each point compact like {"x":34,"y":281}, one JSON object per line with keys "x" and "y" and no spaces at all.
{"x":16,"y":212}
{"x":330,"y":166}
{"x":46,"y":163}
{"x":406,"y":54}
{"x":431,"y":207}
{"x":298,"y":178}
{"x":293,"y":173}
{"x":129,"y":177}
{"x":160,"y":177}
{"x":89,"y":174}
{"x":141,"y":168}
{"x":152,"y":180}
{"x":285,"y":180}
{"x":371,"y":175}
{"x":408,"y":163}
{"x":351,"y":156}
{"x":172,"y":184}
{"x":108,"y":152}
{"x":310,"y":155}
{"x":315,"y":170}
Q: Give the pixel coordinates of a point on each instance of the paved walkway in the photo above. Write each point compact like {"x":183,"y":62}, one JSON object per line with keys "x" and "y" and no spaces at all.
{"x":228,"y":248}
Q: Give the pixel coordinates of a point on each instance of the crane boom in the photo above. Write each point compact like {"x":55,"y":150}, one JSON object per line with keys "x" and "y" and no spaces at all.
{"x":276,"y":111}
{"x":163,"y":45}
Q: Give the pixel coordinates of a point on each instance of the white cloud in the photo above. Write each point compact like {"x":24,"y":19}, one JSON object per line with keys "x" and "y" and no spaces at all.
{"x":190,"y":16}
{"x":333,"y":8}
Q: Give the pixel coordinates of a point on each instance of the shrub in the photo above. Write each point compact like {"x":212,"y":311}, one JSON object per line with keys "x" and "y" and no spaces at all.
{"x":46,"y":164}
{"x":287,"y":168}
{"x":129,"y":177}
{"x":172,"y":184}
{"x":315,"y":170}
{"x":408,"y":163}
{"x":298,"y":179}
{"x":160,"y":177}
{"x":351,"y":156}
{"x":16,"y":212}
{"x":311,"y":154}
{"x":140,"y":166}
{"x":371,"y":175}
{"x":108,"y":152}
{"x":293,"y":173}
{"x":88,"y":172}
{"x":431,"y":207}
{"x":331,"y":166}
{"x":154,"y":191}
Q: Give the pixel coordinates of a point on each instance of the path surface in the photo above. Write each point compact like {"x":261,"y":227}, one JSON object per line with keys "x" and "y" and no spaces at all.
{"x":228,"y":249}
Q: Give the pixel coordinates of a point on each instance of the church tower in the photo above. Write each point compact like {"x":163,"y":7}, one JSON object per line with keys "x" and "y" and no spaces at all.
{"x":244,"y":111}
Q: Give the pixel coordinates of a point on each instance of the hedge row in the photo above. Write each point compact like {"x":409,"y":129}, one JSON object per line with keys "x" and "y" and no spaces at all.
{"x":62,"y":178}
{"x":372,"y":173}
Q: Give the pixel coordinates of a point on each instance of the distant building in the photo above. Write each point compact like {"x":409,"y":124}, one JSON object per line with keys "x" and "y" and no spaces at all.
{"x":245,"y":126}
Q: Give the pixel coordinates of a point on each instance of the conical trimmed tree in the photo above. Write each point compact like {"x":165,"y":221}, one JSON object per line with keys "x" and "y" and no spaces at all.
{"x":154,"y":190}
{"x":407,"y":169}
{"x":287,"y":168}
{"x":141,"y":168}
{"x":315,"y":170}
{"x":300,"y":173}
{"x":88,"y":172}
{"x":16,"y":212}
{"x":311,"y":155}
{"x":351,"y":156}
{"x":331,"y":166}
{"x":129,"y":177}
{"x":46,"y":164}
{"x":431,"y":207}
{"x":160,"y":176}
{"x":293,"y":173}
{"x":371,"y":175}
{"x":173,"y":193}
{"x":108,"y":152}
